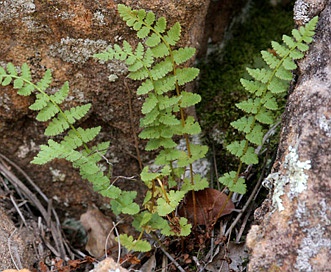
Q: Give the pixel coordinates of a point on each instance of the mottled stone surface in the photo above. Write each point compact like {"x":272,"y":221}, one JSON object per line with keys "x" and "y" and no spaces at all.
{"x":62,"y":36}
{"x":295,"y":235}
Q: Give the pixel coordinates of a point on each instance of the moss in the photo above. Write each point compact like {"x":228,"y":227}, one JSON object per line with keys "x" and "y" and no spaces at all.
{"x":219,"y":83}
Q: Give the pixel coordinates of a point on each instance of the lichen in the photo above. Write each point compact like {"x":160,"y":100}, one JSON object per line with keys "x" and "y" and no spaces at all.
{"x":57,"y":175}
{"x":300,"y":11}
{"x":310,"y":246}
{"x":12,"y":9}
{"x":294,"y":176}
{"x":325,"y":125}
{"x":76,"y":50}
{"x":26,"y":148}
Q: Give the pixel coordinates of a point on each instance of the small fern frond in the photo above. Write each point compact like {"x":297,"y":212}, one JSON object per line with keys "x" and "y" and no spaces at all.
{"x":185,"y":75}
{"x":46,"y":80}
{"x":267,"y":86}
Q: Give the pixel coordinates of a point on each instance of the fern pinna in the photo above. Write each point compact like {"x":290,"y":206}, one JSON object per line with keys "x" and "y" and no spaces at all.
{"x":74,"y":145}
{"x":267,"y":87}
{"x":159,"y":66}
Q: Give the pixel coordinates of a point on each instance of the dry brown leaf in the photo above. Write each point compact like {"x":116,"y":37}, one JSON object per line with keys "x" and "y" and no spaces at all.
{"x":98,"y":227}
{"x":107,"y":265}
{"x":210,"y":204}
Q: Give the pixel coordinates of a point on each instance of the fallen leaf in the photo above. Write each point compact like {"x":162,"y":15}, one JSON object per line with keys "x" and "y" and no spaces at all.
{"x":210,"y":205}
{"x":100,"y":232}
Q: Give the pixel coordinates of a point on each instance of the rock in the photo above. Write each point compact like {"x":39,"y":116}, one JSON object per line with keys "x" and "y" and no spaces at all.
{"x":295,"y":234}
{"x":62,"y":36}
{"x":14,"y":251}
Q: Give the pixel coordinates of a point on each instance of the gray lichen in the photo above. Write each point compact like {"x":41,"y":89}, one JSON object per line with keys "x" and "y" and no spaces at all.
{"x":12,"y":9}
{"x":76,"y":50}
{"x":294,"y":176}
{"x":310,"y":246}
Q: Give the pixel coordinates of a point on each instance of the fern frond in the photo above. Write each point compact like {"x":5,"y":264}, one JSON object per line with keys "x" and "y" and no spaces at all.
{"x":47,"y":112}
{"x":189,"y":99}
{"x":46,"y":80}
{"x":60,"y":95}
{"x":161,"y":69}
{"x":183,"y":54}
{"x":185,"y":75}
{"x":173,"y":34}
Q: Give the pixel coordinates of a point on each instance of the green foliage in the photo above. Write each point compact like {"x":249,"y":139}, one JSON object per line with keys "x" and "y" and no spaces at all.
{"x":161,"y":68}
{"x":266,"y":87}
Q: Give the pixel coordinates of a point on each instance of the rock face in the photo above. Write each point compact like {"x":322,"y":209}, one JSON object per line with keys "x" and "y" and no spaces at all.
{"x":295,"y":235}
{"x":62,"y":36}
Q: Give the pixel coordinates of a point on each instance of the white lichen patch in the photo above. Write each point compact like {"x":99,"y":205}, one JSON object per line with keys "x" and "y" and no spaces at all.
{"x":57,"y":175}
{"x":11,"y":9}
{"x":77,"y":50}
{"x":26,"y":148}
{"x":325,"y":125}
{"x":99,"y":18}
{"x":300,"y":11}
{"x":314,"y":241}
{"x":294,"y":176}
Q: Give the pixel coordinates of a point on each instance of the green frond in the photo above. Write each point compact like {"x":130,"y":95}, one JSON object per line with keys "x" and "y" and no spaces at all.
{"x":135,"y":245}
{"x":44,"y":83}
{"x":145,"y":87}
{"x":148,"y":58}
{"x":265,"y":116}
{"x":244,"y":124}
{"x":173,"y":34}
{"x":150,"y":18}
{"x":281,"y":50}
{"x":270,"y":59}
{"x":47,"y":153}
{"x":165,"y":84}
{"x":143,"y":32}
{"x":124,"y":203}
{"x":153,"y":40}
{"x":284,"y":74}
{"x":289,"y":64}
{"x":167,"y":102}
{"x":141,"y":74}
{"x":270,"y":104}
{"x":289,"y":41}
{"x":250,"y":157}
{"x":6,"y":81}
{"x":139,"y":51}
{"x":165,"y":207}
{"x":154,"y":144}
{"x":278,"y":85}
{"x":48,"y":112}
{"x":40,"y":102}
{"x":161,"y":69}
{"x":185,"y":75}
{"x":149,"y":104}
{"x":169,"y":119}
{"x":262,"y":75}
{"x":183,"y":54}
{"x":160,"y":51}
{"x":228,"y":180}
{"x":57,"y":126}
{"x":250,"y":105}
{"x":25,"y":72}
{"x":191,"y":126}
{"x":254,"y":87}
{"x":296,"y":54}
{"x":18,"y":83}
{"x":88,"y":134}
{"x":11,"y":69}
{"x":189,"y":99}
{"x":237,"y":148}
{"x":76,"y":113}
{"x":256,"y":135}
{"x":60,"y":95}
{"x":26,"y":90}
{"x":160,"y":25}
{"x":149,"y":118}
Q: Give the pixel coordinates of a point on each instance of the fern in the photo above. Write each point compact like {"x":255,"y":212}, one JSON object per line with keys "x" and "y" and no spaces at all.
{"x":73,"y":147}
{"x":160,"y":67}
{"x":267,"y":88}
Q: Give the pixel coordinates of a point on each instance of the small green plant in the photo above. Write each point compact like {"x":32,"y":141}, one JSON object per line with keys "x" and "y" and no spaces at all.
{"x":160,"y":65}
{"x":267,"y":87}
